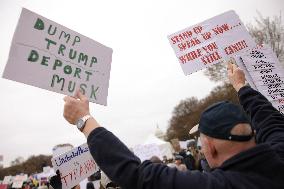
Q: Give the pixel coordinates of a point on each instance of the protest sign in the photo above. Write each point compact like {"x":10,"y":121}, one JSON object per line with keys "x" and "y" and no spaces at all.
{"x":50,"y":56}
{"x":74,"y":165}
{"x":183,"y":144}
{"x":264,"y":68}
{"x":145,"y":152}
{"x":7,"y":180}
{"x":46,"y":169}
{"x":242,"y":66}
{"x":210,"y":42}
{"x":19,"y":180}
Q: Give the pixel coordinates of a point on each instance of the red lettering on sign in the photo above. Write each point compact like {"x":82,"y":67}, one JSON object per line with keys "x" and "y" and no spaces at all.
{"x":210,"y":47}
{"x":197,"y":29}
{"x":181,"y":37}
{"x":211,"y":58}
{"x":281,"y":101}
{"x":235,"y":47}
{"x":221,"y":29}
{"x":206,"y":35}
{"x":190,"y":56}
{"x":64,"y":179}
{"x":186,"y":45}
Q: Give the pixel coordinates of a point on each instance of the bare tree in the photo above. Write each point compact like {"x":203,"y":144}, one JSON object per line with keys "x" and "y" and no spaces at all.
{"x":265,"y":31}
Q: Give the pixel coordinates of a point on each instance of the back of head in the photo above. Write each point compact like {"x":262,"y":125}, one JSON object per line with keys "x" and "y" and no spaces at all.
{"x":219,"y":119}
{"x":227,"y":130}
{"x":156,"y":159}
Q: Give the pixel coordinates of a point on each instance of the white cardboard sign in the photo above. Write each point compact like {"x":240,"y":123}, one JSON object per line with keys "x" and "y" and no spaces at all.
{"x":7,"y":180}
{"x":50,"y":56}
{"x":19,"y":180}
{"x":210,"y":42}
{"x":267,"y":74}
{"x":75,"y":165}
{"x":145,"y":152}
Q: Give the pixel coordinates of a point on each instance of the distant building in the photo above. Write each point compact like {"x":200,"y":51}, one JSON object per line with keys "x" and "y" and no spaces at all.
{"x":159,"y":133}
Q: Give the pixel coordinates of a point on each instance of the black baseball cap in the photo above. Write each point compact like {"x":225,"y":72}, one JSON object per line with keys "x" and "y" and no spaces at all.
{"x":218,"y":120}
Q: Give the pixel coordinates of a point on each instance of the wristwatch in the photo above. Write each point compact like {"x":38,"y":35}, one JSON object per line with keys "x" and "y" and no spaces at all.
{"x":82,"y":122}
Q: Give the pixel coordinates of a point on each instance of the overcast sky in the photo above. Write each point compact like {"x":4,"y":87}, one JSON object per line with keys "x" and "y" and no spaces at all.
{"x":146,"y":81}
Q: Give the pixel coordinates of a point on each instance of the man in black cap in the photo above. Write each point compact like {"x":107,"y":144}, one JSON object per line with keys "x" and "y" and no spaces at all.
{"x":239,"y":158}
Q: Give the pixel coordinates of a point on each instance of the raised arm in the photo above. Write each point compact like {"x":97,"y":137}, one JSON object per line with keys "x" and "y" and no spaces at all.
{"x":265,"y":119}
{"x":122,"y":166}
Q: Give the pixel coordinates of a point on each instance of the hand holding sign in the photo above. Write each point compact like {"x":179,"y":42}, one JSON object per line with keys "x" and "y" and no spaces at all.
{"x":74,"y":166}
{"x":210,"y":42}
{"x":76,"y":107}
{"x":50,"y":56}
{"x":236,"y":76}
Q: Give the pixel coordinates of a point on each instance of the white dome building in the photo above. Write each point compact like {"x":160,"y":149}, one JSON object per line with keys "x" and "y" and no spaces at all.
{"x":159,"y":133}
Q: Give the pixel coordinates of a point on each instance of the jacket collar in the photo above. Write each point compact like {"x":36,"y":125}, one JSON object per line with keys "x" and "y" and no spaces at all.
{"x":250,"y":159}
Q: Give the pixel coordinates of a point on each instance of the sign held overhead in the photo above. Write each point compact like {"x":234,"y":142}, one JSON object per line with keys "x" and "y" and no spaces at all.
{"x":210,"y":42}
{"x":50,"y":56}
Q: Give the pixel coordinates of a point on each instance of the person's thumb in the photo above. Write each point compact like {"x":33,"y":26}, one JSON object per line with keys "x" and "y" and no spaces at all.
{"x":229,"y":67}
{"x":80,"y":95}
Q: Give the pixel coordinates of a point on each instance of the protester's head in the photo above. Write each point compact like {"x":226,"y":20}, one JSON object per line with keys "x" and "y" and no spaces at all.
{"x":178,"y":159}
{"x":224,"y":131}
{"x":156,"y":159}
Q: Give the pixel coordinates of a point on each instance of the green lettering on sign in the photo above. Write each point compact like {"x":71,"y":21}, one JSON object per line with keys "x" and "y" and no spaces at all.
{"x":82,"y":88}
{"x":94,"y":92}
{"x":56,"y":77}
{"x":93,"y":61}
{"x":83,"y":57}
{"x":70,"y":87}
{"x":39,"y":24}
{"x":33,"y":56}
{"x":45,"y":60}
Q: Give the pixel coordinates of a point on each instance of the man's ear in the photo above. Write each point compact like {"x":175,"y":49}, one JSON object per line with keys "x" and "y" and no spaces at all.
{"x":211,"y":147}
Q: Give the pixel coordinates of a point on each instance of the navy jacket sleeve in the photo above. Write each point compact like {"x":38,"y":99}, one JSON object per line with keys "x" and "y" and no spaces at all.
{"x":124,"y":168}
{"x":265,"y":119}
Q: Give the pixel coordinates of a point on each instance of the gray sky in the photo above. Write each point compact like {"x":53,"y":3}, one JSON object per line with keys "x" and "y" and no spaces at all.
{"x":146,"y":81}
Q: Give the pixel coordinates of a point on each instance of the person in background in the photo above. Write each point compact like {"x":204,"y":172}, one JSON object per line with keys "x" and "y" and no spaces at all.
{"x":156,"y":159}
{"x":238,"y":158}
{"x":179,"y":163}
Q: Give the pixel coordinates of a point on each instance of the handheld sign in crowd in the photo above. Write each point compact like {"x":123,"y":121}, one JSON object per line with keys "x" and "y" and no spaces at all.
{"x":145,"y":152}
{"x":210,"y":42}
{"x":50,"y":56}
{"x":19,"y":180}
{"x":75,"y":165}
{"x":264,"y":68}
{"x":7,"y":180}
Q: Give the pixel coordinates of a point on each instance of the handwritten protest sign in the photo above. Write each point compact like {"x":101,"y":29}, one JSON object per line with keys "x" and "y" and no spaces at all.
{"x":241,"y":65}
{"x":210,"y":42}
{"x":145,"y":152}
{"x":74,"y":165}
{"x":50,"y":56}
{"x":7,"y":180}
{"x":19,"y":180}
{"x":264,"y":68}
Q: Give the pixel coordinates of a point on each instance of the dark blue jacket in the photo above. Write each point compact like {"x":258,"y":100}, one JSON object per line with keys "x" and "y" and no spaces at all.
{"x":261,"y":167}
